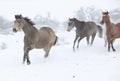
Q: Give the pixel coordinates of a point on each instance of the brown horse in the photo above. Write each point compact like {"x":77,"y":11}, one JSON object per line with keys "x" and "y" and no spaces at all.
{"x":112,"y":30}
{"x":84,"y":29}
{"x":43,"y":38}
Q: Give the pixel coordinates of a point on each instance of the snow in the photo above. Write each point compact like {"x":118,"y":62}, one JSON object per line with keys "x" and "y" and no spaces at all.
{"x":88,"y":63}
{"x":59,"y":9}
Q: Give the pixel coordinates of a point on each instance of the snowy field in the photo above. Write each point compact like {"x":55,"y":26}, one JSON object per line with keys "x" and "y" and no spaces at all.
{"x":88,"y":63}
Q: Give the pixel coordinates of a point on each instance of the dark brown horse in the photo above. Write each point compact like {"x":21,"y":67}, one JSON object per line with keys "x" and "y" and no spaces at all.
{"x":112,"y":30}
{"x":43,"y":38}
{"x":84,"y":29}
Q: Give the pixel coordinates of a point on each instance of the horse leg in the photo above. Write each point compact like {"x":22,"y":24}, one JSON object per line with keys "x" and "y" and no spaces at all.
{"x":74,"y":43}
{"x":108,"y":46}
{"x":47,"y":49}
{"x":105,"y":39}
{"x":46,"y":54}
{"x":88,"y":37}
{"x":79,"y":41}
{"x":26,"y":55}
{"x":112,"y":46}
{"x":93,"y":37}
{"x":105,"y":43}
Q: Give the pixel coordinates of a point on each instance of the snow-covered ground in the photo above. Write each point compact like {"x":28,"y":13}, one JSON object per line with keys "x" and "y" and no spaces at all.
{"x":88,"y":63}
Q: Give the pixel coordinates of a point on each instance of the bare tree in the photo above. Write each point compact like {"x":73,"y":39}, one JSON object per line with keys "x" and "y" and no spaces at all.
{"x":88,"y":14}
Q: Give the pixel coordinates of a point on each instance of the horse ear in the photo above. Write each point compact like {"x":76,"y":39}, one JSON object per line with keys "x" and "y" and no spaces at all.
{"x":104,"y":12}
{"x":16,"y":16}
{"x":20,"y":16}
{"x":74,"y":18}
{"x":107,"y":12}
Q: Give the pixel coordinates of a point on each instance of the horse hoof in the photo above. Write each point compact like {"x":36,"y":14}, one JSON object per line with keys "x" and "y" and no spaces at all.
{"x":74,"y":50}
{"x":114,"y":50}
{"x":23,"y":62}
{"x":28,"y":63}
{"x":46,"y":56}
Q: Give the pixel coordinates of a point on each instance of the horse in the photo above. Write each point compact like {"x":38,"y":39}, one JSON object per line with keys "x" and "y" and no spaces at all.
{"x":105,"y":37}
{"x":112,"y":30}
{"x":84,"y":29}
{"x":44,"y":38}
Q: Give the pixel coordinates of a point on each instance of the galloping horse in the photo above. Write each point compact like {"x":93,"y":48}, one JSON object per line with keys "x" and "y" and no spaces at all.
{"x":84,"y":29}
{"x":43,"y":38}
{"x":112,"y":30}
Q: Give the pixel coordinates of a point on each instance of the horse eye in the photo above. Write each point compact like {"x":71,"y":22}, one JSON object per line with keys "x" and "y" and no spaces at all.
{"x":69,"y":24}
{"x":18,"y":22}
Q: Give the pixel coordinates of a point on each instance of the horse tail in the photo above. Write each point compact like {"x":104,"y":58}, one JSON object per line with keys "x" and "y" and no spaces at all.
{"x":56,"y":39}
{"x":100,"y":30}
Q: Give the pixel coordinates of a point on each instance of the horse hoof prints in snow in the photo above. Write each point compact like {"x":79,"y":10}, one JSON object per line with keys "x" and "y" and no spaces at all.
{"x":43,"y":38}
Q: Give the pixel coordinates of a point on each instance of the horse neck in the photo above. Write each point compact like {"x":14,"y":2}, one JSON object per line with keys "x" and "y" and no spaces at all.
{"x":79,"y":24}
{"x":29,"y":29}
{"x":108,"y":26}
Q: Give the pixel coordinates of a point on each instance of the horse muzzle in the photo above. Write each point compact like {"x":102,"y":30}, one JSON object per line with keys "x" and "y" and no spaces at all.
{"x":101,"y":23}
{"x":68,"y":30}
{"x":14,"y":30}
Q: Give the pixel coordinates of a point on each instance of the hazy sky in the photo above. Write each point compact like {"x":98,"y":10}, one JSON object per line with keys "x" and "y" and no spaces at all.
{"x":59,"y":9}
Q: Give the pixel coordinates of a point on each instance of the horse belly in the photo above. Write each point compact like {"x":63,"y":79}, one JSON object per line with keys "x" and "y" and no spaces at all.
{"x":116,"y":32}
{"x":42,"y":42}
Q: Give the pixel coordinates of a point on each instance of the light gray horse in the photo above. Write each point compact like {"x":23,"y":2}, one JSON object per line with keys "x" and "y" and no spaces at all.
{"x":43,"y":38}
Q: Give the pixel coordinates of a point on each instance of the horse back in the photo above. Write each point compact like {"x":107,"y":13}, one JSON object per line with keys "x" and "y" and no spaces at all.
{"x":47,"y":35}
{"x":117,"y":25}
{"x":91,"y":26}
{"x":46,"y":31}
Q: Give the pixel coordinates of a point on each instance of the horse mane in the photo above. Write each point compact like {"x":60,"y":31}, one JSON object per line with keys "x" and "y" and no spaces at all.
{"x":29,"y":21}
{"x":79,"y":21}
{"x":80,"y":24}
